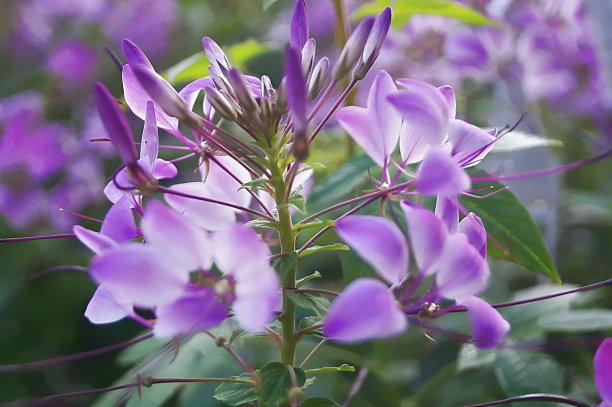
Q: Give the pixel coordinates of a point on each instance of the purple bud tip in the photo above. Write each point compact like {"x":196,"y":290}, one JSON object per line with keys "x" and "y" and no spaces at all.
{"x":318,"y":78}
{"x":296,"y":89}
{"x":215,"y":54}
{"x":373,"y":45}
{"x":353,"y":48}
{"x":115,"y":123}
{"x":299,"y":25}
{"x":308,"y":54}
{"x":134,"y":55}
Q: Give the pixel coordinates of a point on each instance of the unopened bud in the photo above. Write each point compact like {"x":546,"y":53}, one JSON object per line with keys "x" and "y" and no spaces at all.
{"x":353,"y":48}
{"x":318,"y":78}
{"x":267,"y":90}
{"x":299,"y":25}
{"x":221,"y":104}
{"x":215,"y":54}
{"x":165,"y":96}
{"x":115,"y":123}
{"x":243,"y":96}
{"x":308,"y":54}
{"x":301,"y":147}
{"x":281,"y":96}
{"x":373,"y":45}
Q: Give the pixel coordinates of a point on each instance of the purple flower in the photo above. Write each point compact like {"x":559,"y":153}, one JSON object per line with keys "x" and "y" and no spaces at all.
{"x":299,"y":25}
{"x":602,"y":365}
{"x":73,"y":61}
{"x":489,"y":328}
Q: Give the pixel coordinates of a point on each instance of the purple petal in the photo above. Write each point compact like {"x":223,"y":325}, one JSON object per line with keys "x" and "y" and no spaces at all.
{"x":379,"y":242}
{"x":427,"y":236}
{"x":365,"y":310}
{"x":296,"y":88}
{"x":137,"y":99}
{"x":115,"y":123}
{"x":237,"y":245}
{"x":602,"y":365}
{"x":258,"y":295}
{"x":103,"y":308}
{"x":207,"y":215}
{"x":383,"y":118}
{"x":439,"y":173}
{"x":191,"y":91}
{"x":413,"y":144}
{"x":489,"y":328}
{"x":134,"y":55}
{"x":184,"y":244}
{"x":95,"y":241}
{"x":462,"y":271}
{"x":447,"y":211}
{"x":472,"y":227}
{"x":119,"y":222}
{"x":149,"y":146}
{"x":139,"y":274}
{"x":449,"y":95}
{"x":355,"y":121}
{"x":215,"y":54}
{"x":224,"y":187}
{"x":196,"y":310}
{"x":299,"y":25}
{"x":470,"y":143}
{"x":113,"y":193}
{"x":163,"y":169}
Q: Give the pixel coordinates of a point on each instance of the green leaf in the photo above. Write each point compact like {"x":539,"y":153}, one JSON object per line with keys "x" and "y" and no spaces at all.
{"x":242,"y":52}
{"x":298,"y":202}
{"x":267,"y":3}
{"x":331,"y":369}
{"x":189,"y":69}
{"x":326,"y":248}
{"x":319,"y":402}
{"x":522,"y":372}
{"x":283,"y":264}
{"x":403,"y":10}
{"x":304,"y":280}
{"x":319,"y":224}
{"x":353,"y":267}
{"x":316,"y":303}
{"x":518,"y":140}
{"x":275,"y":383}
{"x":255,"y":184}
{"x":577,"y":321}
{"x":262,"y":223}
{"x":307,"y":322}
{"x":470,"y":357}
{"x":235,"y":394}
{"x":510,"y":224}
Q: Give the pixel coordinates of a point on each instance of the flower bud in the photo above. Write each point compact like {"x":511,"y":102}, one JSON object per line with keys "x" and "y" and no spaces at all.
{"x":215,"y":54}
{"x":115,"y":123}
{"x":243,"y":96}
{"x":296,"y":89}
{"x":221,"y":104}
{"x":165,"y":96}
{"x":318,"y":78}
{"x":299,"y":25}
{"x":267,"y":90}
{"x":353,"y":48}
{"x":308,"y":54}
{"x":134,"y":55}
{"x":373,"y":45}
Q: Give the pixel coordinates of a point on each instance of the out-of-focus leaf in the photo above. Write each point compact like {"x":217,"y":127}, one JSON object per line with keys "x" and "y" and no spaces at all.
{"x":518,"y":140}
{"x":242,"y":52}
{"x":319,"y":402}
{"x":316,"y":303}
{"x":353,"y":267}
{"x":235,"y":394}
{"x":305,"y":279}
{"x":470,"y":357}
{"x":522,"y":372}
{"x":577,"y":321}
{"x":403,"y":10}
{"x":283,"y":264}
{"x":267,"y":3}
{"x":189,"y":69}
{"x":275,"y":383}
{"x":331,"y":369}
{"x":587,"y":208}
{"x":510,"y":224}
{"x":329,"y":247}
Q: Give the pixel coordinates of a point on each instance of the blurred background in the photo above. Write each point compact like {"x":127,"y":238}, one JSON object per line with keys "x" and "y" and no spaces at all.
{"x":547,"y":61}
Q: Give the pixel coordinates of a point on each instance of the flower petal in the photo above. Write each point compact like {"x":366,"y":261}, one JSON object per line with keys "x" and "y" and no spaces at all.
{"x":462,"y":271}
{"x":365,"y":310}
{"x":296,"y":89}
{"x":470,"y":143}
{"x":379,"y":242}
{"x":163,"y":169}
{"x":602,"y":365}
{"x":196,"y":310}
{"x":119,"y":222}
{"x":355,"y":121}
{"x":258,"y":295}
{"x":95,"y":241}
{"x":103,"y":308}
{"x":236,"y":245}
{"x":472,"y":227}
{"x":139,"y":274}
{"x":447,"y":211}
{"x":439,"y":173}
{"x":299,"y":25}
{"x":386,"y":120}
{"x":427,"y":236}
{"x":184,"y":244}
{"x":489,"y":328}
{"x":222,"y":186}
{"x":149,"y":146}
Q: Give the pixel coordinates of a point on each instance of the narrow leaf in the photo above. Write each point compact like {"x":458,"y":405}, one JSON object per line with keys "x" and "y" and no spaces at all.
{"x":326,"y":248}
{"x":331,"y":369}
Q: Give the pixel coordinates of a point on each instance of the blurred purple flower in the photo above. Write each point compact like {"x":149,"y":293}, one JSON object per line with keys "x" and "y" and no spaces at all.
{"x":602,"y":365}
{"x":73,"y":61}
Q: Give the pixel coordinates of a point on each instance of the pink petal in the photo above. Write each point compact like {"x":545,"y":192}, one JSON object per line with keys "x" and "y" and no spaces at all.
{"x":472,"y":227}
{"x":149,"y":146}
{"x":470,"y":143}
{"x":365,"y":310}
{"x":163,"y":169}
{"x":441,"y":174}
{"x":462,"y":271}
{"x":119,"y":222}
{"x":489,"y":328}
{"x":235,"y":244}
{"x":139,"y":274}
{"x":258,"y":295}
{"x":196,"y":310}
{"x":447,"y":212}
{"x":184,"y":244}
{"x":449,"y":95}
{"x":379,"y":242}
{"x":385,"y":120}
{"x":95,"y":241}
{"x":207,"y":215}
{"x":427,"y":236}
{"x":602,"y":365}
{"x":355,"y":121}
{"x":413,"y":144}
{"x":220,"y":185}
{"x":103,"y":308}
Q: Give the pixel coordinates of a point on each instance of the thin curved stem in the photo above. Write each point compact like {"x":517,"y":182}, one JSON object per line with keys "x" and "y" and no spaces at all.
{"x":556,"y":398}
